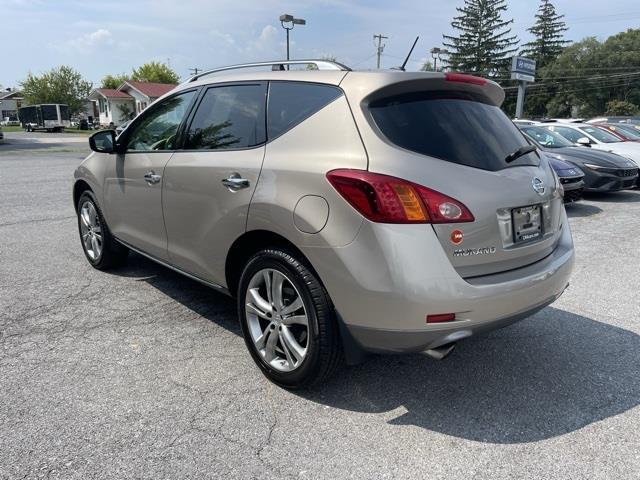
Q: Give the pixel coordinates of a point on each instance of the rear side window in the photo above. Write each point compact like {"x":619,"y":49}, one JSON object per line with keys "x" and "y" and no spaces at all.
{"x":292,"y":102}
{"x":229,"y":117}
{"x":454,"y":128}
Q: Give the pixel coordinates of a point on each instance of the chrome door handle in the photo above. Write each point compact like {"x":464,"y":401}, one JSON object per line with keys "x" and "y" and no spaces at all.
{"x":235,"y":182}
{"x":151,"y":177}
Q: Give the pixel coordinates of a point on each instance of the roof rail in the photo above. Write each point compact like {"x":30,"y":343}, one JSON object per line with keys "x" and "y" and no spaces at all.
{"x":276,"y":65}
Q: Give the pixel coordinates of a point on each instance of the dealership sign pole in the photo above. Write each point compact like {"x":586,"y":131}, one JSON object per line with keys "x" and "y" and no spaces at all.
{"x":524,"y":71}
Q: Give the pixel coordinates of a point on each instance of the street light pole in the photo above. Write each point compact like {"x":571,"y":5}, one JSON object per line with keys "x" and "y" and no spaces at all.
{"x":288,"y":22}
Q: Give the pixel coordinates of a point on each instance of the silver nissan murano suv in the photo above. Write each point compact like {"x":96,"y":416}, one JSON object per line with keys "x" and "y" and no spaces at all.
{"x":348,"y":212}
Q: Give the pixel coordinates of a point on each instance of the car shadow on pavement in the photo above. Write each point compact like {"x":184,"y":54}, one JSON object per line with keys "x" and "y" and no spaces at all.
{"x":546,"y":376}
{"x":575,"y":210}
{"x":197,"y":297}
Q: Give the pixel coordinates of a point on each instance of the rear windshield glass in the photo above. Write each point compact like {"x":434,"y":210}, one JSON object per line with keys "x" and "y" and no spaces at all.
{"x":459,"y":130}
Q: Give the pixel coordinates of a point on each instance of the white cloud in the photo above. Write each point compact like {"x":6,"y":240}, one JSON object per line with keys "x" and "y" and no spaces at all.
{"x":88,"y":42}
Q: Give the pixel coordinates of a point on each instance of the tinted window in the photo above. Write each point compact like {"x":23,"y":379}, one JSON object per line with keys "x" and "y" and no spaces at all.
{"x":64,"y":112}
{"x":229,"y":117}
{"x":49,"y":112}
{"x":547,"y":138}
{"x":292,"y":102}
{"x":601,"y":135}
{"x":459,"y":130}
{"x":627,"y":131}
{"x":157,"y":128}
{"x":568,"y":133}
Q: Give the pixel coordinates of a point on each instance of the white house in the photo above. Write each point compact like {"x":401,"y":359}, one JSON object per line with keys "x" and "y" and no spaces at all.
{"x":113,"y":105}
{"x":10,"y":102}
{"x":127,"y":101}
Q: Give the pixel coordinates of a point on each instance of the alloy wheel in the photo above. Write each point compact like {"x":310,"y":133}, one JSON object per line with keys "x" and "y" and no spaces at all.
{"x":277,"y":320}
{"x":90,"y":230}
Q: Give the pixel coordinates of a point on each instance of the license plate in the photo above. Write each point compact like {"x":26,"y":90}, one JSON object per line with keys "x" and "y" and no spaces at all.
{"x":527,"y":223}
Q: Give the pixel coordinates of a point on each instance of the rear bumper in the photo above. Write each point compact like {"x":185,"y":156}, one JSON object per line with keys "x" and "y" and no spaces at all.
{"x":389,"y":279}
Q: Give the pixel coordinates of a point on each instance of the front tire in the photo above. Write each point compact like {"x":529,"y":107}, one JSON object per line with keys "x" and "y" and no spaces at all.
{"x":288,"y":321}
{"x":99,"y":246}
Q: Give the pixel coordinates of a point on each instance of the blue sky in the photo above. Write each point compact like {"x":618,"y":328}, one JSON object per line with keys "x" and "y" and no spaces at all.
{"x":112,"y":36}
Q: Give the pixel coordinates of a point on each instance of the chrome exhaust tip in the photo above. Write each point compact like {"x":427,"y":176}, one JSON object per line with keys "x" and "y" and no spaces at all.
{"x":441,"y":352}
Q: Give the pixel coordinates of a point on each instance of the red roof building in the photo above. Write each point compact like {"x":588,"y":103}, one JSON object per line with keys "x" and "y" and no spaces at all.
{"x":128,"y":100}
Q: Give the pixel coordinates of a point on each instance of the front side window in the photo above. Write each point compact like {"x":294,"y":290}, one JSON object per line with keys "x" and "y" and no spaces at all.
{"x":292,"y":102}
{"x":229,"y":117}
{"x":158,"y":128}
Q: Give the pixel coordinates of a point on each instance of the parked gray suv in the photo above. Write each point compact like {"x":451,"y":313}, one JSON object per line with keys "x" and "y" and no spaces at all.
{"x":347,"y":212}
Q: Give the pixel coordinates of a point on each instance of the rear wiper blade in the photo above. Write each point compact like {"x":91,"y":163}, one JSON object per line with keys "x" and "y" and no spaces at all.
{"x":520,"y":153}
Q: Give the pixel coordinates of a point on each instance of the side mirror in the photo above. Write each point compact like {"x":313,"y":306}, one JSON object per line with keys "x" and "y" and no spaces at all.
{"x":103,"y":141}
{"x":584,"y":141}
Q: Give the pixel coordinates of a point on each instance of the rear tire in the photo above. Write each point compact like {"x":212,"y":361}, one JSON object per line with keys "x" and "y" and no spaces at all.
{"x":292,"y":335}
{"x":99,"y":246}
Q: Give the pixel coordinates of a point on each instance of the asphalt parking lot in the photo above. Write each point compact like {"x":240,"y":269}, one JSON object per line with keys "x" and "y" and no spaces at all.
{"x":141,"y":373}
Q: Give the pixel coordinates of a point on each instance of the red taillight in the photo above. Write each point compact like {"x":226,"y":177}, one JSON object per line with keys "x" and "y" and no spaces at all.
{"x":462,"y":78}
{"x":441,"y":318}
{"x":385,"y":199}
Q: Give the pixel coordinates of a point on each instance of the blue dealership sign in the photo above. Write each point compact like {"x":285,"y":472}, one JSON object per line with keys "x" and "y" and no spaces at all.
{"x":523,"y":69}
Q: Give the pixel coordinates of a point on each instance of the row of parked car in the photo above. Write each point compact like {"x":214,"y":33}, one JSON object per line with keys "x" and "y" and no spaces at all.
{"x":600,"y":155}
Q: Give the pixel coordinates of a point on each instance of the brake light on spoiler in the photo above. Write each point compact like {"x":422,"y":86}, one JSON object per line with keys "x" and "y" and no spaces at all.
{"x":463,"y":78}
{"x":386,"y":199}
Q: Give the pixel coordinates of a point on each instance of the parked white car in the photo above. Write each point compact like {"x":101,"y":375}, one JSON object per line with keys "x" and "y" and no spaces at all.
{"x":597,"y":138}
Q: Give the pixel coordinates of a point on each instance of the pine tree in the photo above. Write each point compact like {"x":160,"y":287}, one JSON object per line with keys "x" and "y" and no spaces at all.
{"x":484,"y":43}
{"x":549,"y":35}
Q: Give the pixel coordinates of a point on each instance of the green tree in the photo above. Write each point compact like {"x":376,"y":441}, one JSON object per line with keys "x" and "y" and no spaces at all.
{"x":548,"y":32}
{"x":427,"y":66}
{"x":62,"y":84}
{"x":114,"y":81}
{"x":621,"y":107}
{"x":155,"y":72}
{"x":484,"y":41}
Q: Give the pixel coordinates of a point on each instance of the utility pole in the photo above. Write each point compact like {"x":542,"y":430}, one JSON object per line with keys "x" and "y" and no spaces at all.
{"x":194,"y":71}
{"x":380,"y":47}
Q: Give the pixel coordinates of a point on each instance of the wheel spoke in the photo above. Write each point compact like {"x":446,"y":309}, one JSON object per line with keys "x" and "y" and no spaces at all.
{"x":262,"y":339}
{"x":270,"y":347}
{"x":255,"y":310}
{"x":93,"y":216}
{"x":296,"y":320}
{"x":87,"y":242}
{"x":276,"y":290}
{"x":292,"y":307}
{"x":84,"y":216}
{"x":290,"y":342}
{"x":285,"y":348}
{"x":266,"y":274}
{"x":95,"y":246}
{"x":260,"y":302}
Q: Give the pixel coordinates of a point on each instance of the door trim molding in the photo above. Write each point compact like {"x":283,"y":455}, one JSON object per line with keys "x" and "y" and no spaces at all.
{"x":215,"y":286}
